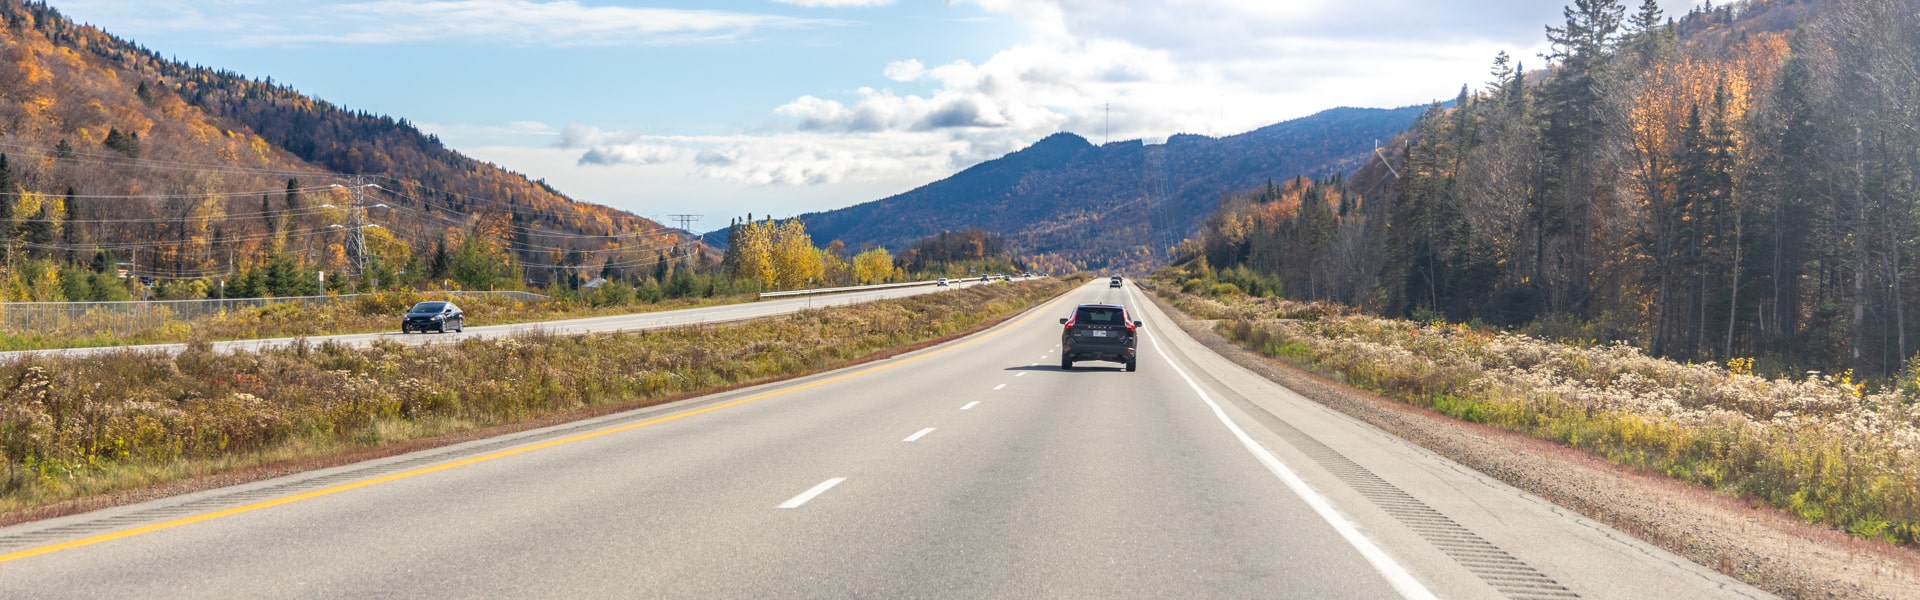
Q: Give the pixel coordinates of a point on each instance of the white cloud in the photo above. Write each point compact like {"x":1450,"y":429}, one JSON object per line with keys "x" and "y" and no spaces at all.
{"x":788,"y":159}
{"x":837,"y":3}
{"x":605,"y":148}
{"x":904,"y":70}
{"x":630,"y":154}
{"x":812,"y":160}
{"x":379,"y":22}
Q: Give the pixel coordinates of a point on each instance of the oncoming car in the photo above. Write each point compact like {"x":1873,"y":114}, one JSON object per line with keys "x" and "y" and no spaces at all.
{"x":1098,"y":332}
{"x":434,"y":315}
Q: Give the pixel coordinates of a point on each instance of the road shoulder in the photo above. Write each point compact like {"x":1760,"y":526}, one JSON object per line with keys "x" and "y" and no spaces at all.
{"x":1753,"y":544}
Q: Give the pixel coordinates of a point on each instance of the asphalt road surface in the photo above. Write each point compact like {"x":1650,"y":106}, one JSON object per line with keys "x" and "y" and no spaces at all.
{"x":632,"y":322}
{"x":975,"y":469}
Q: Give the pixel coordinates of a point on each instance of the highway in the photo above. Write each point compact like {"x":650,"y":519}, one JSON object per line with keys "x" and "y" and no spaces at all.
{"x":973,"y":469}
{"x":630,"y":322}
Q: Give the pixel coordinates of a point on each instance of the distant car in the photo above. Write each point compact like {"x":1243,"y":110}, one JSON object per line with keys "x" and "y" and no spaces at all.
{"x":434,"y":315}
{"x":986,"y":278}
{"x":1101,"y":332}
{"x":1115,"y":282}
{"x":942,"y":282}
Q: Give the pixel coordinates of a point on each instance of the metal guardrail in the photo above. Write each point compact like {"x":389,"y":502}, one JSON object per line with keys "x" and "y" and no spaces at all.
{"x":126,"y":317}
{"x":856,"y":288}
{"x":866,"y":288}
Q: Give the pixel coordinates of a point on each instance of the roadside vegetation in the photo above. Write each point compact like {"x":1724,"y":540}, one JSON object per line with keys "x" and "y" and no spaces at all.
{"x":76,"y":427}
{"x":1825,"y":447}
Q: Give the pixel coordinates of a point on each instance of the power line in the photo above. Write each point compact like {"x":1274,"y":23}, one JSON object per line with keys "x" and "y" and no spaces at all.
{"x":182,"y":196}
{"x":128,"y":161}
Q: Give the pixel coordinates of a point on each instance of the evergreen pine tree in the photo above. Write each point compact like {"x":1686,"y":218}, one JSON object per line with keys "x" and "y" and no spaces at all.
{"x":70,"y":233}
{"x":267,"y":219}
{"x":293,"y":202}
{"x":610,"y":271}
{"x":104,"y":262}
{"x":442,"y":263}
{"x":9,"y":194}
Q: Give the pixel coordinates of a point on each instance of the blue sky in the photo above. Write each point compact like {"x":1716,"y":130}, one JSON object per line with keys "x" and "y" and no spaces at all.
{"x":782,"y":107}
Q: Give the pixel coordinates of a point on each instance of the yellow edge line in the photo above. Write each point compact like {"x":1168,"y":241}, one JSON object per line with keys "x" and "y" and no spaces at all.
{"x":328,"y":491}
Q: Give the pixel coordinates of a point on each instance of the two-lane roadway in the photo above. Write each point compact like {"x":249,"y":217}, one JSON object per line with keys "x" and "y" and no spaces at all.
{"x":974,"y":469}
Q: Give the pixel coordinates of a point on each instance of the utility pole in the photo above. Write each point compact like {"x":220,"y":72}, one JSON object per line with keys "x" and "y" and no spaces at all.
{"x":1106,"y":135}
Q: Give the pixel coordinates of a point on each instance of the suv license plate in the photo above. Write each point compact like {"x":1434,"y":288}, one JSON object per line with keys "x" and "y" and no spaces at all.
{"x":1099,"y":333}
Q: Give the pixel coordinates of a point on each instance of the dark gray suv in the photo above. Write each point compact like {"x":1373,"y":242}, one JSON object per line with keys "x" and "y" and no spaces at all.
{"x":1098,"y":332}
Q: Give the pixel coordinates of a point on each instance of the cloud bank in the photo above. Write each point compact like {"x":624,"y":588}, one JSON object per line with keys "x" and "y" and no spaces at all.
{"x":552,"y":23}
{"x":1114,"y":69}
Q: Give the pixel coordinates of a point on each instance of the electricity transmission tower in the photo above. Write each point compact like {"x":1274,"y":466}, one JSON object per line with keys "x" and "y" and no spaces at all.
{"x":686,"y":221}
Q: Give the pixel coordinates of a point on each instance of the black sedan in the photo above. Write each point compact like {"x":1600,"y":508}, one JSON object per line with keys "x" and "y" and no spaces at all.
{"x":433,"y":315}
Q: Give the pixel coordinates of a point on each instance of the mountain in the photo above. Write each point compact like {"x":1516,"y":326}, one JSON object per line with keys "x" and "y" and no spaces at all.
{"x":1070,"y":204}
{"x":189,"y":166}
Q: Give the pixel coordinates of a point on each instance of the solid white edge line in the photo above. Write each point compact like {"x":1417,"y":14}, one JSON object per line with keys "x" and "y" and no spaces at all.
{"x":812,"y":493}
{"x":999,"y":387}
{"x":1395,"y":574}
{"x":970,"y":405}
{"x":920,"y":434}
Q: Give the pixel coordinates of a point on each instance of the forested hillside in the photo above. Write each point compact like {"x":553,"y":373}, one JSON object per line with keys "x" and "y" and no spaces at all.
{"x":1066,"y":203}
{"x":112,"y":153}
{"x":1741,"y":182}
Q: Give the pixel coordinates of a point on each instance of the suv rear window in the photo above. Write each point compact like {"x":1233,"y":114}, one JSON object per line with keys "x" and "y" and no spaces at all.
{"x":1100,"y":316}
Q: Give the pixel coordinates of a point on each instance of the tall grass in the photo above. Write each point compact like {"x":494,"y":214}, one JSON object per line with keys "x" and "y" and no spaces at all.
{"x":72,"y":427}
{"x":1825,"y":447}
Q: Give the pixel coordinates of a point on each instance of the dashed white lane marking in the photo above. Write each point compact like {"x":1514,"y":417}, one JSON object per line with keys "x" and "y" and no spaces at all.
{"x":1020,"y":374}
{"x":970,"y":405}
{"x":812,"y":493}
{"x":917,"y":435}
{"x":999,"y":387}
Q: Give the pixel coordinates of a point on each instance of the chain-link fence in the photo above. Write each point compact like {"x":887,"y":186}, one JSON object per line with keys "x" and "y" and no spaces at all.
{"x":125,"y":318}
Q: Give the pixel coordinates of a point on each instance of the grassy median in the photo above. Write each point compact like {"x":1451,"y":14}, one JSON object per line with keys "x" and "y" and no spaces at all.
{"x":79,"y":427}
{"x":1825,"y":448}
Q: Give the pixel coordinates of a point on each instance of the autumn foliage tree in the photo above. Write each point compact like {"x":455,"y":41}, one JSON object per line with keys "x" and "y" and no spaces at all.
{"x":1740,"y":182}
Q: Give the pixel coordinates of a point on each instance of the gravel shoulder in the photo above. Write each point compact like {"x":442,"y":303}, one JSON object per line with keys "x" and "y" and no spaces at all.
{"x":1747,"y":541}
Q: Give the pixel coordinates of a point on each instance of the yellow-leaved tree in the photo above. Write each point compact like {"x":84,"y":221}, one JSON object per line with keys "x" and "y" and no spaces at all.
{"x":796,"y":263}
{"x":753,"y":247}
{"x":873,"y":266}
